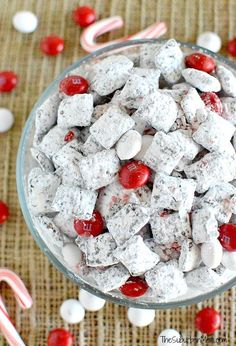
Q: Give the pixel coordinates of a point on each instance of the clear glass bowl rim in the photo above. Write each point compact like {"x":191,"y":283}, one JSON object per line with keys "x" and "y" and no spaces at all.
{"x":23,"y":203}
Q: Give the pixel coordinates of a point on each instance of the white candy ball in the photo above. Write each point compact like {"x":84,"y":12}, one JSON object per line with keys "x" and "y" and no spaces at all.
{"x":72,"y":311}
{"x":129,"y":145}
{"x":209,"y":40}
{"x":25,"y":21}
{"x":146,"y":142}
{"x":229,"y":260}
{"x":90,"y":302}
{"x":71,"y":254}
{"x":6,"y":119}
{"x":140,"y":317}
{"x":211,"y":253}
{"x":169,"y":337}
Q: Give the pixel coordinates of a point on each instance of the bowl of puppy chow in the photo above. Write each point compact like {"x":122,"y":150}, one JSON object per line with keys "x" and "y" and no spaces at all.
{"x":126,"y":173}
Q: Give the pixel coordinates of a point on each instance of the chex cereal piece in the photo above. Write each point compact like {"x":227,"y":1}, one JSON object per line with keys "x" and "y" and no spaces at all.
{"x":181,"y":166}
{"x":169,"y":60}
{"x":164,"y":153}
{"x":110,"y":278}
{"x":214,"y":133}
{"x":212,"y":169}
{"x":201,"y":80}
{"x":170,"y":228}
{"x":190,"y":103}
{"x":53,"y":141}
{"x":166,"y":280}
{"x":227,"y":80}
{"x":44,"y":163}
{"x":91,"y":146}
{"x":74,"y":201}
{"x":110,"y":74}
{"x":147,"y":54}
{"x":99,"y":169}
{"x":68,"y":154}
{"x":172,"y":193}
{"x":46,"y":117}
{"x":190,"y":256}
{"x":154,"y":247}
{"x":51,"y":234}
{"x":181,"y":121}
{"x":99,"y":250}
{"x":140,"y":123}
{"x":111,"y":126}
{"x":204,"y":225}
{"x":75,"y":111}
{"x":42,"y":188}
{"x":127,"y":222}
{"x":151,"y":75}
{"x":159,"y":110}
{"x":133,"y":91}
{"x":191,"y":147}
{"x":176,"y":94}
{"x":114,"y":197}
{"x":185,"y":86}
{"x":71,"y":175}
{"x":222,"y":199}
{"x":203,"y":278}
{"x":136,"y":256}
{"x":229,"y":109}
{"x":66,"y":225}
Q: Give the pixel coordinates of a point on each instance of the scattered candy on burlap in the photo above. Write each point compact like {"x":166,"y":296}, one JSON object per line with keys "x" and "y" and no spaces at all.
{"x":72,"y":311}
{"x":140,"y":317}
{"x":209,"y":40}
{"x":25,"y":22}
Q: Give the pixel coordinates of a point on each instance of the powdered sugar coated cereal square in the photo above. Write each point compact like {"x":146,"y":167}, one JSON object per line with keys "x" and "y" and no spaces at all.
{"x":111,"y":126}
{"x":127,"y":222}
{"x":75,"y":111}
{"x":99,"y":169}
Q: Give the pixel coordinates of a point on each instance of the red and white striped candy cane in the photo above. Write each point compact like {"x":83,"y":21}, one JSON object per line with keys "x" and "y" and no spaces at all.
{"x":24,"y":300}
{"x":89,"y":35}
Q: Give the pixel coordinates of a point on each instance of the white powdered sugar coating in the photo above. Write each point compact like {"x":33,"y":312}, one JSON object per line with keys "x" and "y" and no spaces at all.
{"x":143,"y":106}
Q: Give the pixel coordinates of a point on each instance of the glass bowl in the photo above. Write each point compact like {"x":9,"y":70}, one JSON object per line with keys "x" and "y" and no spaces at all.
{"x":25,"y":163}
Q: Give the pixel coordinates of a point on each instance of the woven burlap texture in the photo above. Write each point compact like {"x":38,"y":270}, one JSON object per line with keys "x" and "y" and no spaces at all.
{"x":18,"y":251}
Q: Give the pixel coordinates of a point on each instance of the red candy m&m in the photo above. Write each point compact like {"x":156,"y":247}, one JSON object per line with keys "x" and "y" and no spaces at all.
{"x":227,"y":236}
{"x":84,"y":16}
{"x":213,"y":102}
{"x":8,"y":81}
{"x":134,"y":287}
{"x":60,"y":337}
{"x":52,"y":45}
{"x":92,"y":227}
{"x":208,"y":320}
{"x":200,"y":62}
{"x":134,"y":174}
{"x":231,"y":47}
{"x":69,"y":136}
{"x":72,"y":85}
{"x":4,"y":212}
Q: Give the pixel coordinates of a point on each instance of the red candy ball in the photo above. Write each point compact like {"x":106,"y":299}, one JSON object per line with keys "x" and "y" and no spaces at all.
{"x":8,"y":81}
{"x":213,"y":102}
{"x":73,"y":85}
{"x":69,"y":136}
{"x":52,"y":45}
{"x":4,"y":212}
{"x":84,"y":16}
{"x":208,"y":320}
{"x":227,"y":236}
{"x":134,"y":174}
{"x":200,"y":62}
{"x":92,"y":227}
{"x":231,"y":47}
{"x":60,"y":337}
{"x":134,"y":287}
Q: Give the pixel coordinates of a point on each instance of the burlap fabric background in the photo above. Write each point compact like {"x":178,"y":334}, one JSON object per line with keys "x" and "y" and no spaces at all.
{"x":18,"y":250}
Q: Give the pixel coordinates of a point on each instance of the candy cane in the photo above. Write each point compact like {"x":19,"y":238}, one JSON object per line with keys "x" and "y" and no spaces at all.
{"x":89,"y":35}
{"x":23,"y":298}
